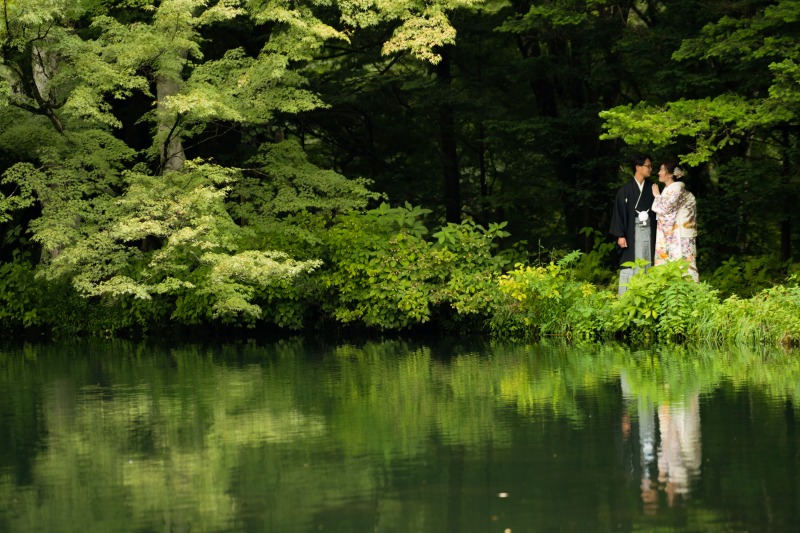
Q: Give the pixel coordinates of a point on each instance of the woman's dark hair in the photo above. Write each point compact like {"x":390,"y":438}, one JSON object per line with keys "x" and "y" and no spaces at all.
{"x":670,"y":166}
{"x":639,"y":160}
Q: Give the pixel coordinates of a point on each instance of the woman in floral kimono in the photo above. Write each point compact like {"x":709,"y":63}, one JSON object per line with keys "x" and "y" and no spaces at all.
{"x":677,"y":219}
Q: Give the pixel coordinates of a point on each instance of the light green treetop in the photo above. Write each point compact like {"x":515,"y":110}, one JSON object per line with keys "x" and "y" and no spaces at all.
{"x":764,"y":47}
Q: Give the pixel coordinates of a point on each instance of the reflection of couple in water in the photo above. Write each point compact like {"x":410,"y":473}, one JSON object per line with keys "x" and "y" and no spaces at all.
{"x":670,"y":457}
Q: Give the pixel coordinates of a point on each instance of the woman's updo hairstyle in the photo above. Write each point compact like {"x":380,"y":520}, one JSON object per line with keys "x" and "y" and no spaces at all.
{"x":672,"y":168}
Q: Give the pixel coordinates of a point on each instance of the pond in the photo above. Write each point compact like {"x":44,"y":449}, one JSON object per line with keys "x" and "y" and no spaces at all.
{"x":396,"y":436}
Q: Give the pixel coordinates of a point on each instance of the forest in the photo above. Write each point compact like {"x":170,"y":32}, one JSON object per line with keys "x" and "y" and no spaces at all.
{"x":386,"y":165}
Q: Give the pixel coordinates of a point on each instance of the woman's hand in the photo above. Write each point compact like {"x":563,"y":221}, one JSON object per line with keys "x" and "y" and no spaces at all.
{"x":656,"y":191}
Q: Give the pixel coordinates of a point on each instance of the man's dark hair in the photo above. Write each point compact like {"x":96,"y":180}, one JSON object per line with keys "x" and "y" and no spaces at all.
{"x":639,"y":160}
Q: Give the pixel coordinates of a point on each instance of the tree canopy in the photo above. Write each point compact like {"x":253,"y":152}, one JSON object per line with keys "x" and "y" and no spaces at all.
{"x":200,"y":158}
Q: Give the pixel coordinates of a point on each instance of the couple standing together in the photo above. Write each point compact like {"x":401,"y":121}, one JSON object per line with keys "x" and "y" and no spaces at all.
{"x":640,"y":234}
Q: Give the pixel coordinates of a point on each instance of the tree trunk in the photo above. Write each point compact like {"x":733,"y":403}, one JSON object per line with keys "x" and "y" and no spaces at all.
{"x":786,"y":222}
{"x":33,"y":68}
{"x":36,"y":71}
{"x":447,"y":137}
{"x":169,"y":125}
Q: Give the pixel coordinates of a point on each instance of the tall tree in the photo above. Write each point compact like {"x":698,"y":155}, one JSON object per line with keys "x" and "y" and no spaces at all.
{"x":117,"y":229}
{"x":167,"y":222}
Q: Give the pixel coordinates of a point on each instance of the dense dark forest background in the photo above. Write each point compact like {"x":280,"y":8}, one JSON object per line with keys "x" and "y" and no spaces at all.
{"x":254,"y":161}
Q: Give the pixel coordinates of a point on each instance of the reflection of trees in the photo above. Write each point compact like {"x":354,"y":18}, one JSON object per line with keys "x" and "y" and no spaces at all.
{"x":199,"y":435}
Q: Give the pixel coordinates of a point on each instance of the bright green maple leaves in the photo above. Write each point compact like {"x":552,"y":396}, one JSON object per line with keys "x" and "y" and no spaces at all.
{"x":116,"y":221}
{"x":760,"y":52}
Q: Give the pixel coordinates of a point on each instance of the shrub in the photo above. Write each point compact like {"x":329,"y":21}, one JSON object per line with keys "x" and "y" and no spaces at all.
{"x":589,"y":315}
{"x":382,"y":272}
{"x":469,"y":281}
{"x":546,"y":300}
{"x":661,"y":303}
{"x":21,"y":295}
{"x":772,"y":316}
{"x":595,"y":266}
{"x":747,"y":277}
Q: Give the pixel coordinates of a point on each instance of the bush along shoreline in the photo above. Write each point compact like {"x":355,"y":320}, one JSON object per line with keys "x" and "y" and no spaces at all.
{"x":661,"y":304}
{"x":382,"y":272}
{"x":526,"y":303}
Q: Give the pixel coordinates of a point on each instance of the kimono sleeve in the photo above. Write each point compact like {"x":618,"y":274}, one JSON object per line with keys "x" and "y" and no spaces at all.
{"x":619,"y":216}
{"x":668,"y":202}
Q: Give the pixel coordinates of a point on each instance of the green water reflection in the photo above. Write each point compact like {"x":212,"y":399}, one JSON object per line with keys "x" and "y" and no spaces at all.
{"x":396,"y":436}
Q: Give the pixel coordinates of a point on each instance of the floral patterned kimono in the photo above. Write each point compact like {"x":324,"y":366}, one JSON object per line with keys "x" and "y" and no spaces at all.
{"x":677,"y":227}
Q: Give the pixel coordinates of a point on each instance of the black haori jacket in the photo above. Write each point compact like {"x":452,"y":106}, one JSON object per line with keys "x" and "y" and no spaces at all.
{"x":624,"y":216}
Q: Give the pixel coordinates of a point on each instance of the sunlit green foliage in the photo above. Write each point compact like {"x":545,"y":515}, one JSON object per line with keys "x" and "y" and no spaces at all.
{"x":772,"y":316}
{"x":385,"y":274}
{"x":542,"y":301}
{"x":760,"y":46}
{"x":296,"y":118}
{"x":420,"y":27}
{"x":662,"y":302}
{"x":122,"y":222}
{"x":197,"y":248}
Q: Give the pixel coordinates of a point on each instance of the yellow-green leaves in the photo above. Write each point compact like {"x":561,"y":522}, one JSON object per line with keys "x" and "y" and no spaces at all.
{"x":712,"y":123}
{"x":421,"y":36}
{"x":423,"y":26}
{"x":193,"y":246}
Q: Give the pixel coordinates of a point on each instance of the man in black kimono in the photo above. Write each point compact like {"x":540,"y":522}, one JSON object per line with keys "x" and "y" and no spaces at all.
{"x":633,"y":223}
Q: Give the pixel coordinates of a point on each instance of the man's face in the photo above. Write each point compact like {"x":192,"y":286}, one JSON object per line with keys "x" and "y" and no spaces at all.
{"x":645,"y":169}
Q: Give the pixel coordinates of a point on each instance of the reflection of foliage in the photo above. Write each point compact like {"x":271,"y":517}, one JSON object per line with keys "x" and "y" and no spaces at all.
{"x":535,"y":381}
{"x":188,"y":436}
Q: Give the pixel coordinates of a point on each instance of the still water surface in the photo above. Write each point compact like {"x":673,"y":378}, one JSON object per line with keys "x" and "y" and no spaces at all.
{"x":396,"y":437}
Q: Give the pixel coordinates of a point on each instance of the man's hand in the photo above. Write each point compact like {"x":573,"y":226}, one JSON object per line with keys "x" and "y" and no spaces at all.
{"x":623,"y":242}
